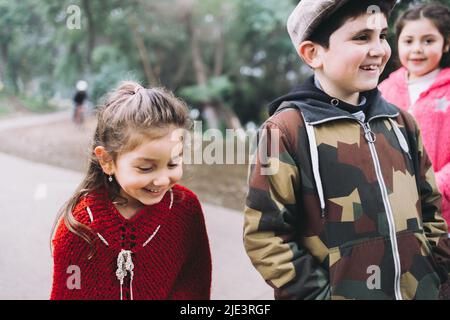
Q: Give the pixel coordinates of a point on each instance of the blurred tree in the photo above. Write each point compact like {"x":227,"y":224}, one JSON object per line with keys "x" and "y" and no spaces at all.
{"x":22,"y":21}
{"x":227,"y":58}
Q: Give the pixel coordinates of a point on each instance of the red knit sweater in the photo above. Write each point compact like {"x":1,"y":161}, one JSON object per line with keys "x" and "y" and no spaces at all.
{"x":169,"y":250}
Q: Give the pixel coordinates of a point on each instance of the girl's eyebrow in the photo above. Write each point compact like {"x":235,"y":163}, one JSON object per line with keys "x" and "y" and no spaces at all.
{"x":156,"y":160}
{"x":146,"y":159}
{"x":425,"y":35}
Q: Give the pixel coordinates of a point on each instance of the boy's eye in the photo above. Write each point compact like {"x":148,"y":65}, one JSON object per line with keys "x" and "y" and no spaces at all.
{"x":173,"y":165}
{"x":362,"y":37}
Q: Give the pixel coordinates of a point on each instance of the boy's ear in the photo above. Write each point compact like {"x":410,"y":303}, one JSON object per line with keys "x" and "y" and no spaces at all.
{"x":310,"y":53}
{"x":105,"y":160}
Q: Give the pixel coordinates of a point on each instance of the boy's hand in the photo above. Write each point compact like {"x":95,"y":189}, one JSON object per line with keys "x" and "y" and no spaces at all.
{"x":444,"y":292}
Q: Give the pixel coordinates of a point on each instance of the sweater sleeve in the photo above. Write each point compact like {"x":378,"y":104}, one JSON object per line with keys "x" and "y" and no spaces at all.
{"x":271,"y":216}
{"x":194,"y":282}
{"x":66,"y":264}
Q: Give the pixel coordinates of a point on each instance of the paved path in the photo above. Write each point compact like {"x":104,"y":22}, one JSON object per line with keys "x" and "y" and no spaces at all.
{"x":30,"y":196}
{"x":34,"y":120}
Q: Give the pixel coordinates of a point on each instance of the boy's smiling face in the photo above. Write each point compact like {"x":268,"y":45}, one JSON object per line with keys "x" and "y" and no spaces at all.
{"x":356,"y":57}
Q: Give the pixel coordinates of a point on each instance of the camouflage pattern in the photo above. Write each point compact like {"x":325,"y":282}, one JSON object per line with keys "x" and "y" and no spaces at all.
{"x":304,"y":255}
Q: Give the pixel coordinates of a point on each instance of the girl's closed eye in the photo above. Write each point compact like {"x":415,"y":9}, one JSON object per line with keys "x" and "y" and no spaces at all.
{"x":145,"y":169}
{"x":175,"y":162}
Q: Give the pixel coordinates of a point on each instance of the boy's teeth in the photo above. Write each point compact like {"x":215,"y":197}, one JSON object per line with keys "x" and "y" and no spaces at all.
{"x":371,"y":67}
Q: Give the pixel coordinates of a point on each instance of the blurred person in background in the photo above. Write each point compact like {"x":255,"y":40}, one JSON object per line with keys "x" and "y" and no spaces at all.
{"x":79,"y":100}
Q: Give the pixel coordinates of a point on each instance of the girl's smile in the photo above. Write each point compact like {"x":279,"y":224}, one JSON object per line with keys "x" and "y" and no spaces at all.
{"x":146,"y":173}
{"x":421,"y":47}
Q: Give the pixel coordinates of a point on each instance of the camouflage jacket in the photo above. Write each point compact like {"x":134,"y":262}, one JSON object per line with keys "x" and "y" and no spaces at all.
{"x":342,"y":208}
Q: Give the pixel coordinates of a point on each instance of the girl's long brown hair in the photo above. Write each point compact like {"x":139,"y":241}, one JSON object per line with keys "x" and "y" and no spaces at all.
{"x":127,"y":110}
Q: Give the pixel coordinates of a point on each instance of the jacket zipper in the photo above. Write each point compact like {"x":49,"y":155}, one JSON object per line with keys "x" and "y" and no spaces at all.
{"x":371,"y":138}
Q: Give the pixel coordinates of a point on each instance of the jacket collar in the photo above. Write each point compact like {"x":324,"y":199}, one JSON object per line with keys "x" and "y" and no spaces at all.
{"x":327,"y":109}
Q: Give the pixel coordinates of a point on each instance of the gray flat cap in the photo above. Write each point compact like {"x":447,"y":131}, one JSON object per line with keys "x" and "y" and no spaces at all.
{"x":309,"y":14}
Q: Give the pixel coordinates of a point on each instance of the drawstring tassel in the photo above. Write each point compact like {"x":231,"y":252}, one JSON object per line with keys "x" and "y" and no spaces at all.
{"x":124,"y":264}
{"x":171,"y":198}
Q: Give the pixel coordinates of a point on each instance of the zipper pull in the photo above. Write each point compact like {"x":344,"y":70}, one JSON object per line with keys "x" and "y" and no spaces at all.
{"x":368,"y":133}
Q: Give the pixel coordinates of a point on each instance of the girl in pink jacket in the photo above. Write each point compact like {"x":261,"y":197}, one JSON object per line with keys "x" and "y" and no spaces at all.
{"x":422,"y":84}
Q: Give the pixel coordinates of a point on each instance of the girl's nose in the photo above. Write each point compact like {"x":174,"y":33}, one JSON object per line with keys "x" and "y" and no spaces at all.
{"x":162,"y":180}
{"x":417,"y":48}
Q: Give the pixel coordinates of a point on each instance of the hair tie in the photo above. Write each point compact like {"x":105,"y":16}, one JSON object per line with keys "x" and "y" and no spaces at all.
{"x":136,"y":90}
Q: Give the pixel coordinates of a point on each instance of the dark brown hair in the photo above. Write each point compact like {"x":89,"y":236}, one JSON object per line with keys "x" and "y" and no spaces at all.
{"x":438,"y":14}
{"x":352,"y":9}
{"x":129,"y":111}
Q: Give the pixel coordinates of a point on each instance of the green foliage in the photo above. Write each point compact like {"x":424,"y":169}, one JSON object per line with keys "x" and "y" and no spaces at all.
{"x":42,"y":57}
{"x":217,"y":89}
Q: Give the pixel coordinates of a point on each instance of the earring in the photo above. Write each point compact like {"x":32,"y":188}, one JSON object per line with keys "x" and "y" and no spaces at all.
{"x":110,"y":179}
{"x":171,"y":198}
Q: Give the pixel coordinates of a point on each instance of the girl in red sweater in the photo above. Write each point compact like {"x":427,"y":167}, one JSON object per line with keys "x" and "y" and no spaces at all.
{"x":130,"y":231}
{"x":422,"y":85}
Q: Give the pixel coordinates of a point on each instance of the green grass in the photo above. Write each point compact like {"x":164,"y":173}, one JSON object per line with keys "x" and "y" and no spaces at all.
{"x":5,"y":108}
{"x":35,"y":104}
{"x":10,"y":103}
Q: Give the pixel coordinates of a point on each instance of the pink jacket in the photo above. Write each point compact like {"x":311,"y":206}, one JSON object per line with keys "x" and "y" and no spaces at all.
{"x":432,"y":112}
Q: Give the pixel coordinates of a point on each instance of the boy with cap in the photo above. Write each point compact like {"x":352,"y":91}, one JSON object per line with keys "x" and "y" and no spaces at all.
{"x":345,"y":206}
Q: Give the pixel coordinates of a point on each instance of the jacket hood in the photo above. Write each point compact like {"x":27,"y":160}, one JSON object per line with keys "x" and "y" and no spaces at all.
{"x":319,"y":106}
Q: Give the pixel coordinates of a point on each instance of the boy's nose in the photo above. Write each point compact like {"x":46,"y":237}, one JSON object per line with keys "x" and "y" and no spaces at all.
{"x":377,"y":52}
{"x":377,"y":49}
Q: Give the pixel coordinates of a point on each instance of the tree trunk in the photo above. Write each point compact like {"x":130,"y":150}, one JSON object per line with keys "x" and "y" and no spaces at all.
{"x":143,"y":54}
{"x":212,"y":112}
{"x":3,"y":62}
{"x":199,"y":66}
{"x":219,"y":52}
{"x":91,"y":33}
{"x":178,"y":77}
{"x":230,"y":118}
